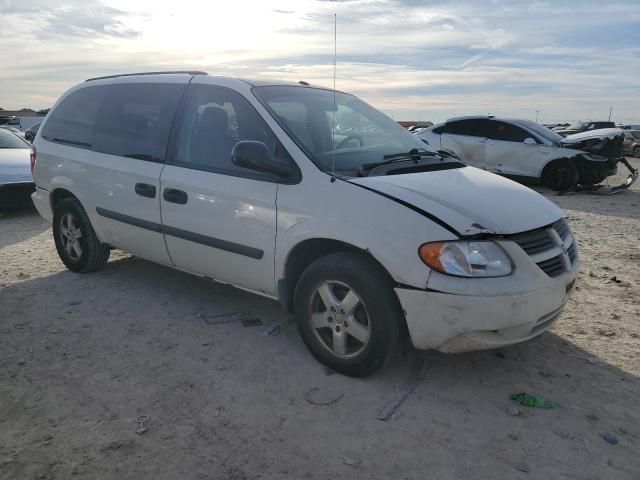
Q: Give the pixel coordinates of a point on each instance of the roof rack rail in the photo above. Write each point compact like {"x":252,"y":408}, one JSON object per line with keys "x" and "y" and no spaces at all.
{"x":189,"y":72}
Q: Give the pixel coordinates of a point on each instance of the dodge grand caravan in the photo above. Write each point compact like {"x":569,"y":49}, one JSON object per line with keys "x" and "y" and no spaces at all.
{"x":308,"y":196}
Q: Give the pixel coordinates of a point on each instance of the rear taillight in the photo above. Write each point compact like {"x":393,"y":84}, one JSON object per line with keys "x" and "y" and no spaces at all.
{"x":32,"y":157}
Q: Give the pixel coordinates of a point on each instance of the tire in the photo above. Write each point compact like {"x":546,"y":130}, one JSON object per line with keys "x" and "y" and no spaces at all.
{"x":560,"y":175}
{"x":362,"y":339}
{"x":636,"y":151}
{"x":80,"y":253}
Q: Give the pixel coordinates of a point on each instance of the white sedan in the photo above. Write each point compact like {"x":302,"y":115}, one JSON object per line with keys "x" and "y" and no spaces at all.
{"x":16,"y":181}
{"x":525,"y":150}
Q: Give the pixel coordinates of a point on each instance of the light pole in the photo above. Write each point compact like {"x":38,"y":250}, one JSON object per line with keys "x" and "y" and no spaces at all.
{"x":537,"y":115}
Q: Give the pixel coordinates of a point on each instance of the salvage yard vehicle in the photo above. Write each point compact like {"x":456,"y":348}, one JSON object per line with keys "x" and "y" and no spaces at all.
{"x":583,"y":126}
{"x":305,"y":195}
{"x":632,"y":143}
{"x":30,"y":134}
{"x":524,"y":150}
{"x":16,"y":182}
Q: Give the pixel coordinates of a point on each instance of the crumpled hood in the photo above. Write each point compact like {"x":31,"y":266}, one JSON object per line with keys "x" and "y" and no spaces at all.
{"x":609,"y":133}
{"x":15,"y":165}
{"x":470,"y":200}
{"x":607,"y":142}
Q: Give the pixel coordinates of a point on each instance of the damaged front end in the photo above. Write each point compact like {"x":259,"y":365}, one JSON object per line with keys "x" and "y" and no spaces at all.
{"x":600,"y":153}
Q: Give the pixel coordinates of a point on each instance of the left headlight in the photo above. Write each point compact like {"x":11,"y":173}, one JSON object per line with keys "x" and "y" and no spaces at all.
{"x":482,"y":258}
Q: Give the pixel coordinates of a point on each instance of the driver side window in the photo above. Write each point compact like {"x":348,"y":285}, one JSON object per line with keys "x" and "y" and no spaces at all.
{"x":211,"y":122}
{"x":507,"y":132}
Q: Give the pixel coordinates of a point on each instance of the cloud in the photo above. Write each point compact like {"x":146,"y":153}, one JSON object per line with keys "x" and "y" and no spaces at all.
{"x":421,"y":59}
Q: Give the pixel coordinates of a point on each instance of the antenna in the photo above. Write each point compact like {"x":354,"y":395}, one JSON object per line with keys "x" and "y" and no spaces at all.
{"x":333,"y":116}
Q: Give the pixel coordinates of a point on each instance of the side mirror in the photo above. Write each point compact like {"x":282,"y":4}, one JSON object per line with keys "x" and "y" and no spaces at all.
{"x":256,"y":156}
{"x":529,"y":141}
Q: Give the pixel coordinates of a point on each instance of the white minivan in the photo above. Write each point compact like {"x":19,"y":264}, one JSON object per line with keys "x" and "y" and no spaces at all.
{"x":308,"y":196}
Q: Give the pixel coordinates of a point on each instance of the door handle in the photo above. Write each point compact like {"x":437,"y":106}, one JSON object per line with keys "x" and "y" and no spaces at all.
{"x":175,"y":196}
{"x":146,"y":190}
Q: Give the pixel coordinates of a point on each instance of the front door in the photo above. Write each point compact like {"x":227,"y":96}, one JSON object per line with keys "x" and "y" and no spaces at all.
{"x":219,"y":219}
{"x":507,"y":153}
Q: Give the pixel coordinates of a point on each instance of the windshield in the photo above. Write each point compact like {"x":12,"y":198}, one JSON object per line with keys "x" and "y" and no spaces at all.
{"x":363,"y":135}
{"x":543,"y":132}
{"x":9,"y":140}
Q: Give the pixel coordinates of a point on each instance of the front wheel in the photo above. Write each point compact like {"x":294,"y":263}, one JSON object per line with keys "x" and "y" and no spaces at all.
{"x":77,"y":244}
{"x":348,"y":314}
{"x":636,"y":151}
{"x":560,"y":175}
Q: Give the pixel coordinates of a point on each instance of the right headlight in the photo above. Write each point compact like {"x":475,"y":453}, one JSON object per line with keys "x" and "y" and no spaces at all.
{"x":481,"y":258}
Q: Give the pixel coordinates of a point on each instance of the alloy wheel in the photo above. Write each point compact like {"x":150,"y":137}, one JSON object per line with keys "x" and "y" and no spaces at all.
{"x":71,"y":236}
{"x":339,"y":319}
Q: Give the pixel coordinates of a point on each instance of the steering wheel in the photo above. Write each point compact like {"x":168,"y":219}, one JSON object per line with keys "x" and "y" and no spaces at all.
{"x":348,"y":139}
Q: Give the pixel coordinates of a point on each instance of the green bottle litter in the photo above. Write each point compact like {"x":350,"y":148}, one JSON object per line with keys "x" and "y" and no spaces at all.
{"x":529,"y":400}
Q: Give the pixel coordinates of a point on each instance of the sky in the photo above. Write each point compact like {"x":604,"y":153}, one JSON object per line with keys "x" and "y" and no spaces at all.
{"x":415,"y":60}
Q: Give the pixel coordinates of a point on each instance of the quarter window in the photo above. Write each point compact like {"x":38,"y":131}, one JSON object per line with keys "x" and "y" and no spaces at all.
{"x":74,"y":119}
{"x":135,"y":120}
{"x":212,"y":121}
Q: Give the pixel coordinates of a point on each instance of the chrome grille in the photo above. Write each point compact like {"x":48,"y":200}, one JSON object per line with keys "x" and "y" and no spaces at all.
{"x":554,"y":254}
{"x":534,"y":241}
{"x":572,"y":251}
{"x":553,"y":267}
{"x":561,"y":227}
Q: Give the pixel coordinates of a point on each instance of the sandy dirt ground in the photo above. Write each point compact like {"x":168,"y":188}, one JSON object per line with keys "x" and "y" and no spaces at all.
{"x":85,"y":358}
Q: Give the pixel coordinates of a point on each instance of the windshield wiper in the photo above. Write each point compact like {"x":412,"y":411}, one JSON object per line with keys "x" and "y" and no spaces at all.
{"x":414,"y":154}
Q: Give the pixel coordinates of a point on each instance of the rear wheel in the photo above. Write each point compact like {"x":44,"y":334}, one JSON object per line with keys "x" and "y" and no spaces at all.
{"x":636,"y":151}
{"x":347,"y":313}
{"x":77,"y":244}
{"x":560,"y":175}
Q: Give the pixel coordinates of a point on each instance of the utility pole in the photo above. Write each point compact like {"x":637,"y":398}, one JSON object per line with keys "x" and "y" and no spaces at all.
{"x":537,"y":115}
{"x":610,"y":110}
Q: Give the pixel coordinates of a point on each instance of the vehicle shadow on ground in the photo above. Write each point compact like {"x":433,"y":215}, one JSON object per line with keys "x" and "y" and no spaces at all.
{"x":150,"y":292}
{"x":20,"y":224}
{"x":137,"y":331}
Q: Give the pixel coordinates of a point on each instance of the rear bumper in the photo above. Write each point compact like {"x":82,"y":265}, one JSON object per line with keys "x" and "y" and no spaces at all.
{"x":16,"y":194}
{"x":457,"y":323}
{"x":42,"y":202}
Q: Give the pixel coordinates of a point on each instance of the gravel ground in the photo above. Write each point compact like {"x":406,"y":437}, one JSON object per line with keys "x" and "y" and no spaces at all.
{"x":85,"y":358}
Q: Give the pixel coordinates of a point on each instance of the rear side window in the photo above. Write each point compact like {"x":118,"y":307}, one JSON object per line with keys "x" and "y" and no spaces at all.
{"x":135,"y":120}
{"x":73,"y":120}
{"x":471,"y":127}
{"x":507,"y":132}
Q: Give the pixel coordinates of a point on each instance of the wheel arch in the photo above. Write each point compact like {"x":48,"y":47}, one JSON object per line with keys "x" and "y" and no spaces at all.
{"x":306,"y":252}
{"x":58,"y":194}
{"x":550,"y":161}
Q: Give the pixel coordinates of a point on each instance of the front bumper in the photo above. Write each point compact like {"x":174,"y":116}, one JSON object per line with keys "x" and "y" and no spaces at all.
{"x":459,"y":323}
{"x":479,"y":314}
